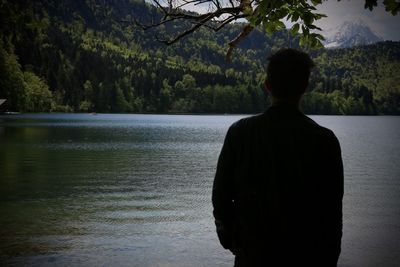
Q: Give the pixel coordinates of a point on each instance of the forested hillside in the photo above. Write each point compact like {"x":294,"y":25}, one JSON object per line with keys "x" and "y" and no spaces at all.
{"x":89,"y":56}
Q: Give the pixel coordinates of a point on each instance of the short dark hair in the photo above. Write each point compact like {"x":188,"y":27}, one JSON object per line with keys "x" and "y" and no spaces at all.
{"x":288,"y":72}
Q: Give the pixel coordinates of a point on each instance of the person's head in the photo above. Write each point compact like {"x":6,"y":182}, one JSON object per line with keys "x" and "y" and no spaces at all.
{"x":288,"y":72}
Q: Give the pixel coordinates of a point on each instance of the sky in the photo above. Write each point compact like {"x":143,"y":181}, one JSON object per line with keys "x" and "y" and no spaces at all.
{"x":382,"y":23}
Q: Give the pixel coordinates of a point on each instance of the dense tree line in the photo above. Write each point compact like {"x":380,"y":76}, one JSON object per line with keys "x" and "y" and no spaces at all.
{"x":88,"y":56}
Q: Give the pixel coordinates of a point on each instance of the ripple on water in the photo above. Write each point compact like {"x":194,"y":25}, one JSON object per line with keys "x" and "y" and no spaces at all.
{"x":123,"y":190}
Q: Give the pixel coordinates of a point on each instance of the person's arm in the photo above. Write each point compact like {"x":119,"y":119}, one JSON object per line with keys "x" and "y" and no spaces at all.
{"x":222,"y":193}
{"x":334,"y":196}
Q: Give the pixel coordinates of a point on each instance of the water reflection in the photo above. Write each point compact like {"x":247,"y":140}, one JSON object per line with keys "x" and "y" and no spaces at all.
{"x":135,"y":190}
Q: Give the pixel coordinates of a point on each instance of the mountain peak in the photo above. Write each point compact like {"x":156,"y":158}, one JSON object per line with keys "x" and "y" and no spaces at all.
{"x":351,"y":33}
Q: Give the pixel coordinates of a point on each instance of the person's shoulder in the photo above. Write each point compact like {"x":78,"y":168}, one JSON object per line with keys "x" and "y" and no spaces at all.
{"x":245,"y":126}
{"x":247,"y":122}
{"x":319,"y":130}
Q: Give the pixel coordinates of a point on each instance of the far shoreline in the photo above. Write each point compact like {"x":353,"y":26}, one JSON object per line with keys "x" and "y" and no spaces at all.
{"x":7,"y":114}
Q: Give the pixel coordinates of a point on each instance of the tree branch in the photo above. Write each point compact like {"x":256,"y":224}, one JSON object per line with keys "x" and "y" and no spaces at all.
{"x":181,"y":35}
{"x":235,"y":10}
{"x":246,"y":30}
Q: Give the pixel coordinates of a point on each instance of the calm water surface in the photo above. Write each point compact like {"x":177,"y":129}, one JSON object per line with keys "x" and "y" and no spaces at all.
{"x":135,"y":190}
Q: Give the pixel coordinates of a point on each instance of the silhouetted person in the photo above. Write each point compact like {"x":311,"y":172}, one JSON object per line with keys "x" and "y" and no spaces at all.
{"x":278,"y":189}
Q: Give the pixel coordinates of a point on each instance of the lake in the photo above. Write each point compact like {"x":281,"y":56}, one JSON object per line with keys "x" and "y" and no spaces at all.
{"x":135,"y":190}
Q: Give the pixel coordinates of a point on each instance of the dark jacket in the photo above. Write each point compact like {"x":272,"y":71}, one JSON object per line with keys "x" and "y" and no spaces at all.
{"x":278,"y":190}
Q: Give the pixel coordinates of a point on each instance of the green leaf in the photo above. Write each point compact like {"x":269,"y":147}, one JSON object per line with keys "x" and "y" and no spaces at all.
{"x":262,"y":9}
{"x":281,"y":13}
{"x":303,"y":40}
{"x":305,"y":30}
{"x":295,"y":28}
{"x":319,"y":44}
{"x":280,"y":25}
{"x":370,"y":4}
{"x":308,"y":18}
{"x":316,"y":2}
{"x":317,"y":36}
{"x":295,"y":17}
{"x":318,"y":16}
{"x":313,"y":27}
{"x":392,"y":6}
{"x":269,"y":27}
